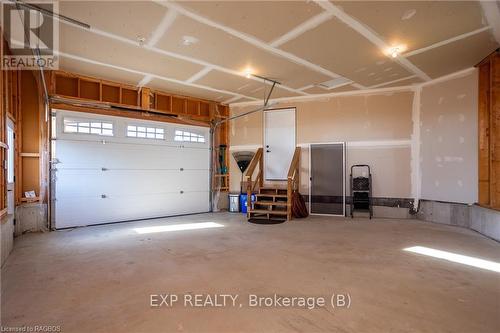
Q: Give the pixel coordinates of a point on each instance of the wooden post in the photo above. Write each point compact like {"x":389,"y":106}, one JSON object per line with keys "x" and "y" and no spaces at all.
{"x":289,"y":199}
{"x":145,"y":101}
{"x":261,"y":169}
{"x":249,"y":195}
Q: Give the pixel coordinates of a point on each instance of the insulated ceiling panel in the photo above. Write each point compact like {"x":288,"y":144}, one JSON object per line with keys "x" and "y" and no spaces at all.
{"x":335,"y":46}
{"x":186,"y":90}
{"x":416,"y":24}
{"x":218,"y":47}
{"x":266,"y":20}
{"x":120,"y":54}
{"x":129,"y":19}
{"x":96,"y":71}
{"x":455,"y":56}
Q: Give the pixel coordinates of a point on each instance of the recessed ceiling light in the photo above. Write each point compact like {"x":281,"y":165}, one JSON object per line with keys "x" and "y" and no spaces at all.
{"x":189,"y":40}
{"x":395,"y":51}
{"x":248,"y":72}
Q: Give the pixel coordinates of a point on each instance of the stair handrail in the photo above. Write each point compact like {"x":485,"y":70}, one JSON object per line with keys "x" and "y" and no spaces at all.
{"x":251,"y":185}
{"x":292,"y":180}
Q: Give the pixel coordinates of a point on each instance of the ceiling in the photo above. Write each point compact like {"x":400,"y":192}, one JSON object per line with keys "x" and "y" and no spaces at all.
{"x":298,"y":43}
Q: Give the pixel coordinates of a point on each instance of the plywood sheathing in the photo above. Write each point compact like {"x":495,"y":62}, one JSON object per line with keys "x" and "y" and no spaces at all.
{"x":110,"y":51}
{"x":443,"y":60}
{"x":345,"y":52}
{"x":432,"y":21}
{"x":449,"y":145}
{"x":484,"y":128}
{"x":220,"y":48}
{"x":263,"y":19}
{"x":30,"y":133}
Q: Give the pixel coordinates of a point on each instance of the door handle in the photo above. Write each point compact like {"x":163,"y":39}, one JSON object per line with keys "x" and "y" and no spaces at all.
{"x":267,"y":146}
{"x":268,"y":151}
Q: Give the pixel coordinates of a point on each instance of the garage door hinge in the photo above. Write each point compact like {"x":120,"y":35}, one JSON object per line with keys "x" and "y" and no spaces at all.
{"x":104,"y":169}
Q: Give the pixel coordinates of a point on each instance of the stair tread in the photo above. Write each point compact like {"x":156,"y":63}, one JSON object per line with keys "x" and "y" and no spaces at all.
{"x":271,"y":195}
{"x":271,"y":203}
{"x":264,"y":211}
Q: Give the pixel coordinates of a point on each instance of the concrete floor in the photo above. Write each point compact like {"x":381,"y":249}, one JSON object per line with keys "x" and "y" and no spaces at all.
{"x":99,"y":279}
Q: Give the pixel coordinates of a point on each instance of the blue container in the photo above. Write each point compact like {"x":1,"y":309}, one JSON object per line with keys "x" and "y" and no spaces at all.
{"x":243,"y":202}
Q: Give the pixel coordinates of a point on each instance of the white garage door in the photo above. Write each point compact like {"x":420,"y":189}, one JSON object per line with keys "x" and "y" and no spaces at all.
{"x":111,"y":169}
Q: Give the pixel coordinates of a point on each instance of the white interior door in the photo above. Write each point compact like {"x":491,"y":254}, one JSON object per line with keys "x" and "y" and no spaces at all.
{"x":279,"y":142}
{"x":112,"y":169}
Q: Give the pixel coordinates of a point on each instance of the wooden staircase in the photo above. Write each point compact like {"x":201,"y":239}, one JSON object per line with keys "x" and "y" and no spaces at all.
{"x":273,"y":202}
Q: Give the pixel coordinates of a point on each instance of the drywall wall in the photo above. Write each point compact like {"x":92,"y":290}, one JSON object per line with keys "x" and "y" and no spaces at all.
{"x":448,"y":134}
{"x":377,"y":129}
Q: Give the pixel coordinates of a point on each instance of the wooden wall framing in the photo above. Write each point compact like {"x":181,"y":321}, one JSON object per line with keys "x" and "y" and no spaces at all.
{"x":22,"y":102}
{"x":489,"y":131}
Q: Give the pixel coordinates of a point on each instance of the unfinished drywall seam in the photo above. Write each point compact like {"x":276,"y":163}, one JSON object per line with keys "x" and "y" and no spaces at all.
{"x":328,"y":95}
{"x":445,"y":42}
{"x":491,"y":12}
{"x":461,"y":73}
{"x":415,"y":148}
{"x":369,"y":34}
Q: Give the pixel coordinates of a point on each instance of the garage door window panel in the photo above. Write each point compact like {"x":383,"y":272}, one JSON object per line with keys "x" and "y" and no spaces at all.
{"x":184,"y":136}
{"x":134,"y":131}
{"x":88,"y":127}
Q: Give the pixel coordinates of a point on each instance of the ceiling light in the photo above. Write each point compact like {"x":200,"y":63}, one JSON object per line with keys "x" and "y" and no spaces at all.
{"x":395,"y":51}
{"x":248,"y":72}
{"x":189,"y":40}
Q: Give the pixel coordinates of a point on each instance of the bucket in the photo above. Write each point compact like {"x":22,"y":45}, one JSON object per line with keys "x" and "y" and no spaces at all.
{"x":243,"y":202}
{"x":234,"y":203}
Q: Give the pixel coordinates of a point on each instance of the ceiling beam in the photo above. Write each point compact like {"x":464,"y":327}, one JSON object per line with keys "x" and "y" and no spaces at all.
{"x":369,"y":34}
